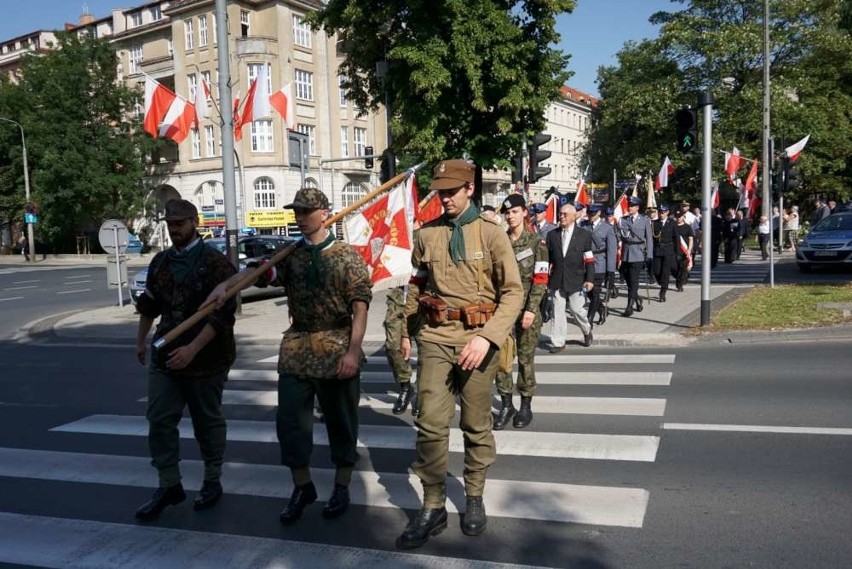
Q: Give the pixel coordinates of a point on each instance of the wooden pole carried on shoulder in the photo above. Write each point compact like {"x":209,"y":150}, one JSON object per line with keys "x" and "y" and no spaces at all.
{"x":255,"y":273}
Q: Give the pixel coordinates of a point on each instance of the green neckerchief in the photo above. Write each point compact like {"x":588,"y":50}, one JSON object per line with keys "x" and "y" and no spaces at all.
{"x":313,"y":275}
{"x":469,"y":215}
{"x":181,"y":263}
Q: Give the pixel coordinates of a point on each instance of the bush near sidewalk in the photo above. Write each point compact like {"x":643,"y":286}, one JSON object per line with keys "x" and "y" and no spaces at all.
{"x":785,"y":306}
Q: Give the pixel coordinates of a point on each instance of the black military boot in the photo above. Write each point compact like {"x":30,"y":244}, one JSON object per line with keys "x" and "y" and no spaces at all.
{"x":662,"y":295}
{"x":525,"y":415}
{"x":429,"y":522}
{"x":338,"y":503}
{"x":474,"y":516}
{"x":506,"y":413}
{"x":302,"y":497}
{"x":639,"y":306}
{"x":208,"y":496}
{"x":405,"y":394}
{"x":162,"y":498}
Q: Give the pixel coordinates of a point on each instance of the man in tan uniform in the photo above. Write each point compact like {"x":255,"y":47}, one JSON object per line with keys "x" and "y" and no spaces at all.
{"x":467,"y":286}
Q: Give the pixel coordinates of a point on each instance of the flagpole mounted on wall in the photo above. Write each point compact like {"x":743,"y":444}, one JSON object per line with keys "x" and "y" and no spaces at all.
{"x":255,"y":273}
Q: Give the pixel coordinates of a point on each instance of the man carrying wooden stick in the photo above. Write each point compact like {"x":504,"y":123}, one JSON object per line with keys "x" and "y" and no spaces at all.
{"x":328,"y":293}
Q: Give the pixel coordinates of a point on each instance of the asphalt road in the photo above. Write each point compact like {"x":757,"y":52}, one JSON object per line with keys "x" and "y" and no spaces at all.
{"x":707,"y":456}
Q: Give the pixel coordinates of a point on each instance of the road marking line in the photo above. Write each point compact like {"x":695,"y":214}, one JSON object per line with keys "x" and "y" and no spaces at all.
{"x":646,"y":378}
{"x":636,"y":448}
{"x":645,"y":407}
{"x":20,"y":287}
{"x":76,"y":282}
{"x":596,"y":505}
{"x":11,"y":298}
{"x":757,"y":429}
{"x":25,"y":282}
{"x":73,"y":291}
{"x":626,"y":359}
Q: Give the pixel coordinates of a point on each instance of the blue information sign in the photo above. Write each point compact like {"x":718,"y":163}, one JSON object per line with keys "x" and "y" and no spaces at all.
{"x":30,"y":218}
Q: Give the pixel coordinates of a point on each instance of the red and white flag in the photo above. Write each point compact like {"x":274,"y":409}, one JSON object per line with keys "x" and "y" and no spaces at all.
{"x":202,"y":95}
{"x":178,"y":120}
{"x":714,"y":196}
{"x":744,"y":195}
{"x":237,"y":124}
{"x":792,"y":152}
{"x":751,"y":179}
{"x":551,"y":209}
{"x":582,"y":196}
{"x":620,"y":209}
{"x":158,"y":99}
{"x":432,"y":208}
{"x":732,"y":163}
{"x":282,"y":101}
{"x":257,"y":102}
{"x":684,"y":248}
{"x":381,"y":233}
{"x":663,"y":176}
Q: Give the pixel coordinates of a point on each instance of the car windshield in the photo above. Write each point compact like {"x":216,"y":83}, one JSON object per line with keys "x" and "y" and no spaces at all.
{"x":218,"y":244}
{"x":838,"y":222}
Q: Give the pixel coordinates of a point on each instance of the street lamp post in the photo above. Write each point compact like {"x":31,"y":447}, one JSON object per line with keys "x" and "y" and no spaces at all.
{"x":30,"y":236}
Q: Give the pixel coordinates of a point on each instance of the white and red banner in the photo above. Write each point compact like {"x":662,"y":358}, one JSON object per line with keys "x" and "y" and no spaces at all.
{"x":714,"y":196}
{"x":551,"y":211}
{"x":666,"y":170}
{"x":382,"y":235}
{"x":684,"y":248}
{"x":620,"y":209}
{"x":178,"y":121}
{"x":792,"y":152}
{"x":582,"y":196}
{"x":158,"y":99}
{"x":732,"y":163}
{"x":282,"y":101}
{"x":431,"y":210}
{"x":257,"y":102}
{"x":202,"y":95}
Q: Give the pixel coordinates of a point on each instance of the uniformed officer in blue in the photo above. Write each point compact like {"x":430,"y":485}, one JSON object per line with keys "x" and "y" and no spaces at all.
{"x":605,"y":249}
{"x":637,"y":238}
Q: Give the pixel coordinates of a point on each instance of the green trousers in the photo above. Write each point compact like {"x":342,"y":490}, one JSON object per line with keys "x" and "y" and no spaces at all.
{"x":393,"y":323}
{"x":167,"y":397}
{"x":440,"y":381}
{"x":527,"y":342}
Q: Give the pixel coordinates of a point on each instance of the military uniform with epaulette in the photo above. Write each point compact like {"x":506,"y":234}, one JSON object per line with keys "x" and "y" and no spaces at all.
{"x":533,"y":264}
{"x":466,"y":284}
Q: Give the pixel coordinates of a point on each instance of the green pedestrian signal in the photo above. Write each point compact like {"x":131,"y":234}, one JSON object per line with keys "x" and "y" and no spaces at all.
{"x":686,"y":121}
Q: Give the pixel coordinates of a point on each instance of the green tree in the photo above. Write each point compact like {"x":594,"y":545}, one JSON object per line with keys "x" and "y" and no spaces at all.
{"x":463,"y":77}
{"x":86,"y":147}
{"x":716,"y":46}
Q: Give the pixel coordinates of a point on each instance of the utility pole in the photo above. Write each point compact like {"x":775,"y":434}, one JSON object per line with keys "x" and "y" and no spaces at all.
{"x":705,"y":103}
{"x":30,"y":232}
{"x":767,"y":146}
{"x":227,"y":125}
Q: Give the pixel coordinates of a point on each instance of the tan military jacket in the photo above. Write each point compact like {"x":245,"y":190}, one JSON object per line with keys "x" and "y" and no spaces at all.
{"x":458,"y":285}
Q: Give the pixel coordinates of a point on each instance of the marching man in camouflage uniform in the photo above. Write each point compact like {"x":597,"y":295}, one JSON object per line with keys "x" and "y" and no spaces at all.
{"x":467,"y":286}
{"x":328,"y":291}
{"x":191,"y":371}
{"x":531,"y":255}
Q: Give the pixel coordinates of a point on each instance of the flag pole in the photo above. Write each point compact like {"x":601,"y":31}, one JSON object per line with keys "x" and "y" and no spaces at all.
{"x":253,"y":274}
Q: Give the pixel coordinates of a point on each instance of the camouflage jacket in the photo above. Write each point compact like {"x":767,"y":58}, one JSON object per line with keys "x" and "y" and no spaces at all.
{"x":176,"y":300}
{"x":321,"y":317}
{"x":531,"y":255}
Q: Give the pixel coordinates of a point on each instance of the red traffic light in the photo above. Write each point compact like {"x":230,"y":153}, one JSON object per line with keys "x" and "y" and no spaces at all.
{"x":686,"y":118}
{"x":31,"y":207}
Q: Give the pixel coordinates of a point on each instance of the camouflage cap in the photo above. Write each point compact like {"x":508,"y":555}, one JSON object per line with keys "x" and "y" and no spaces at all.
{"x":452,"y":174}
{"x":178,"y":210}
{"x":309,"y":198}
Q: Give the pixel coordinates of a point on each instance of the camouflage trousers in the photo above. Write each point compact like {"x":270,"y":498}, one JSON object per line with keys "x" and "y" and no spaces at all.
{"x":393,"y":338}
{"x":527,"y":342}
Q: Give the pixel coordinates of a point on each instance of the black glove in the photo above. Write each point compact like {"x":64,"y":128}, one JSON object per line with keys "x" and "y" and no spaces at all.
{"x":263,"y":280}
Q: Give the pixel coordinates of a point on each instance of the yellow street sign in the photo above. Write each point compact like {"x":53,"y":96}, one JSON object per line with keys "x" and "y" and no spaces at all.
{"x":270,"y":218}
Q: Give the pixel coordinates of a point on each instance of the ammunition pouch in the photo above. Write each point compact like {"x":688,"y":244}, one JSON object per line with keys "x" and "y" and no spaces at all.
{"x":433,"y":308}
{"x":477,"y":315}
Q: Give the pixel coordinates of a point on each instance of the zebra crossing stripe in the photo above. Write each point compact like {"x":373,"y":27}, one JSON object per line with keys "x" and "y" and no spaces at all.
{"x":644,"y":407}
{"x":640,"y":448}
{"x":597,"y":377}
{"x":626,"y":359}
{"x":59,"y":542}
{"x":567,"y":503}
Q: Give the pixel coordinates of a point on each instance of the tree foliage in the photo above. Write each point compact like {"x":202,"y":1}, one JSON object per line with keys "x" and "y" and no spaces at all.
{"x":717,"y":46}
{"x":86,"y":150}
{"x":463,"y":76}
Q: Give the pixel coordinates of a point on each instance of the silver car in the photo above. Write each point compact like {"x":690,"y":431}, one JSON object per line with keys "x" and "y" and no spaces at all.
{"x":828,"y":243}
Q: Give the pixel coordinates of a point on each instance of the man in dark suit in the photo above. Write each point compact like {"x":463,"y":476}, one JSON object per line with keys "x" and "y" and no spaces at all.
{"x":572,"y":271}
{"x":665,"y":235}
{"x":637,"y":247}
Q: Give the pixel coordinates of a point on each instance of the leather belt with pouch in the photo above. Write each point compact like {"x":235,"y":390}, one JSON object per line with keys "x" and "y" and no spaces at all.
{"x":472,"y":316}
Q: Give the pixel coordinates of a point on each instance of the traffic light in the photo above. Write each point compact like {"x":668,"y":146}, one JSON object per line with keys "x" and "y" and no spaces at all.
{"x":777,"y":186}
{"x":517,"y":169}
{"x":686,"y":121}
{"x":537,"y":156}
{"x":31,"y":208}
{"x":791,"y":176}
{"x":368,"y":157}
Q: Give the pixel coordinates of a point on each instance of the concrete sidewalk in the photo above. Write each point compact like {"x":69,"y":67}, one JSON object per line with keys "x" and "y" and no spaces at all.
{"x":675,"y":322}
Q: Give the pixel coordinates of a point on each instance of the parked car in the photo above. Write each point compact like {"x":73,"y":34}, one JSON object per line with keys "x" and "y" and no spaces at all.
{"x":249,"y":249}
{"x":134,"y":245}
{"x":828,"y":243}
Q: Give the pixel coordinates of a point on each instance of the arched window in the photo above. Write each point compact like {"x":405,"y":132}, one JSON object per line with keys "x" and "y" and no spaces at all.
{"x":311,"y":183}
{"x":264,"y":193}
{"x":352,"y":192}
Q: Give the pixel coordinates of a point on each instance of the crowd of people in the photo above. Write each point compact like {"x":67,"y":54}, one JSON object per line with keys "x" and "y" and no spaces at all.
{"x":481,"y":289}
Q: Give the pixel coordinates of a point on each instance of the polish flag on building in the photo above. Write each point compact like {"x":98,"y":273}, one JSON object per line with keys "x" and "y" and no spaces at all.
{"x":257,"y":102}
{"x":732,"y":163}
{"x":282,"y":101}
{"x":381,"y":233}
{"x":666,"y":170}
{"x":202,"y":95}
{"x":158,"y":99}
{"x":178,"y":120}
{"x":792,"y":152}
{"x":236,"y":112}
{"x":620,"y":209}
